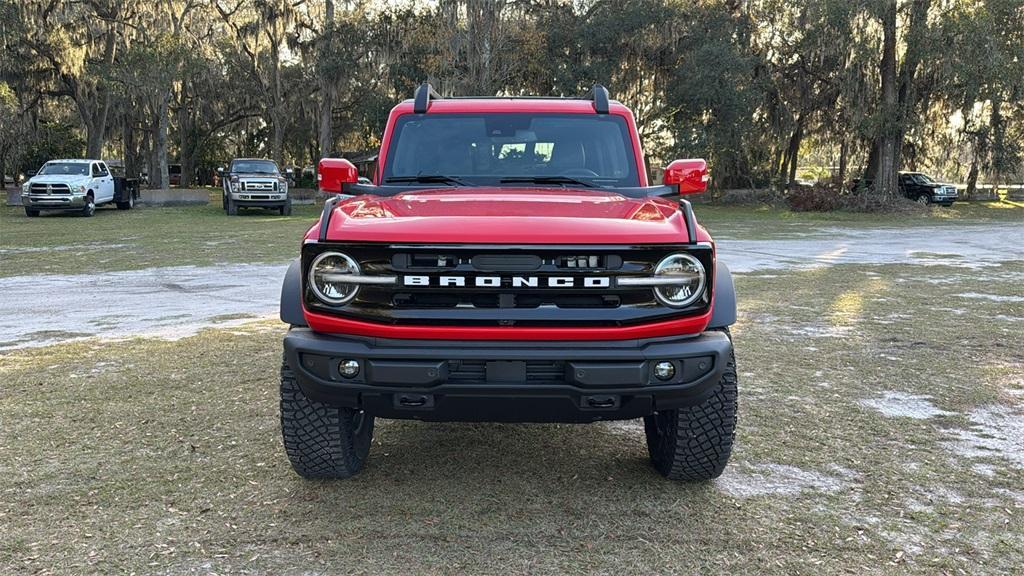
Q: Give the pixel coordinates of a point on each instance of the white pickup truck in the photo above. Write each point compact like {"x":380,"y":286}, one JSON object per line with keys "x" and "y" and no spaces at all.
{"x":76,"y":185}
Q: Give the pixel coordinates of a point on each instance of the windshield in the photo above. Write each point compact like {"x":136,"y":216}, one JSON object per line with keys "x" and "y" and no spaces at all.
{"x":254,"y":167}
{"x":921,"y":179}
{"x":64,"y":169}
{"x":490,"y":148}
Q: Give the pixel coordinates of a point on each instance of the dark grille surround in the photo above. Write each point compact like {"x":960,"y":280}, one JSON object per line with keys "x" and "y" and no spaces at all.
{"x":506,"y":305}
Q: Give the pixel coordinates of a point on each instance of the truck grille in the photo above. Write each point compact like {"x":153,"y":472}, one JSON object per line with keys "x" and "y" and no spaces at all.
{"x":249,"y":186}
{"x":506,"y":285}
{"x":39,"y":188}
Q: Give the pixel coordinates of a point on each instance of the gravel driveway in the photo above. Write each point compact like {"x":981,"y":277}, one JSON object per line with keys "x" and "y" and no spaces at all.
{"x":177,"y":301}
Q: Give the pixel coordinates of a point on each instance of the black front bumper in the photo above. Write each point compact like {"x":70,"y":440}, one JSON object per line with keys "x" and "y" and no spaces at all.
{"x":507,"y":381}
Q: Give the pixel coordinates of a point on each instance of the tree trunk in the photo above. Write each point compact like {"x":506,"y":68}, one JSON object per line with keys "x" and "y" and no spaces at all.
{"x":97,"y":127}
{"x":277,"y":143}
{"x":325,"y":137}
{"x":327,"y":88}
{"x":972,"y":177}
{"x":907,"y":95}
{"x":887,"y":144}
{"x":161,"y":177}
{"x":794,"y":151}
{"x":131,"y":150}
{"x":844,"y":154}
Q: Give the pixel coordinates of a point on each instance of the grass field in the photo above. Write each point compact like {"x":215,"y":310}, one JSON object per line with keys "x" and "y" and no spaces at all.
{"x":147,"y":237}
{"x":881,"y":431}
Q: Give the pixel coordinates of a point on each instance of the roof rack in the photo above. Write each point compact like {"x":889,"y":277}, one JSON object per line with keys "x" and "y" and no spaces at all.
{"x":425,"y":93}
{"x":599,"y":94}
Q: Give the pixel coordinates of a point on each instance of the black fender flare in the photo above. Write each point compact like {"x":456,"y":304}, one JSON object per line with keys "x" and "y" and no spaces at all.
{"x":291,"y":295}
{"x":723,"y":314}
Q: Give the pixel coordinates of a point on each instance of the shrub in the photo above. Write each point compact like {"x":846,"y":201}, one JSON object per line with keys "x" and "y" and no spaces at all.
{"x":813,"y":199}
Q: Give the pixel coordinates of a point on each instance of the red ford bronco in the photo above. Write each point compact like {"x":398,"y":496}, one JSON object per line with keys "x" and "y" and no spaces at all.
{"x":510,"y":262}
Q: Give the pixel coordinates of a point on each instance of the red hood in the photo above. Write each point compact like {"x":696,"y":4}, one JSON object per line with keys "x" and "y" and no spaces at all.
{"x":507,"y":216}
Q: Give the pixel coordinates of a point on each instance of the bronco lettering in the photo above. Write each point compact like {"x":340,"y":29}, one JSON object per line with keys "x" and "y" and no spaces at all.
{"x":514,"y":281}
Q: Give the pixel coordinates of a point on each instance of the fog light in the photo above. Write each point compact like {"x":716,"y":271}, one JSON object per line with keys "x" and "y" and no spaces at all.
{"x":664,"y":370}
{"x":348,"y":368}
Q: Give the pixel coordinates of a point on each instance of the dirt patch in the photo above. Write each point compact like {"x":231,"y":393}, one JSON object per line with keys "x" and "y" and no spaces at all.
{"x":995,"y":431}
{"x":751,"y":480}
{"x":993,"y":297}
{"x":965,"y":246}
{"x":903,"y":405}
{"x":168,"y":302}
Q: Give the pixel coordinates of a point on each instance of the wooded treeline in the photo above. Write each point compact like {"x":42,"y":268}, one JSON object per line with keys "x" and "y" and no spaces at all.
{"x":759,"y":87}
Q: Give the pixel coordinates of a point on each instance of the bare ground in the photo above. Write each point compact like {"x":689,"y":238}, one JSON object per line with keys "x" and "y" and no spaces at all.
{"x":178,"y":300}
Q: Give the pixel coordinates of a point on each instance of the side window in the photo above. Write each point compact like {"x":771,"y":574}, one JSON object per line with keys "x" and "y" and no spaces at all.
{"x":102,"y":168}
{"x":94,"y":170}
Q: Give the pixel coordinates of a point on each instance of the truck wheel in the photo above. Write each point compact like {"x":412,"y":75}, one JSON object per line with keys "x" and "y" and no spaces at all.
{"x":695,"y":442}
{"x":90,"y":206}
{"x":923,"y":199}
{"x":128,"y":204}
{"x":286,"y":210}
{"x":322,"y":441}
{"x":232,"y":208}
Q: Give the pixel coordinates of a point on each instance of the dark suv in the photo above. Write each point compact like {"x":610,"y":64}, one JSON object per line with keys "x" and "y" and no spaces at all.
{"x":918,"y":187}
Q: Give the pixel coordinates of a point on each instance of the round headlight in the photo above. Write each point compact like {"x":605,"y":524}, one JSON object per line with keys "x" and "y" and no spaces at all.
{"x":324,"y":275}
{"x":688,"y":278}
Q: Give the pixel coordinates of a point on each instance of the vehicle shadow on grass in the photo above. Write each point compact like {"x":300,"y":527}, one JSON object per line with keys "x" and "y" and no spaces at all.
{"x":555,"y":470}
{"x":498,"y":498}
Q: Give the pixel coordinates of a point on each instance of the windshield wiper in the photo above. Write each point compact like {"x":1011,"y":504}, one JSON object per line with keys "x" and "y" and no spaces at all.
{"x":428,"y":179}
{"x":547,"y":180}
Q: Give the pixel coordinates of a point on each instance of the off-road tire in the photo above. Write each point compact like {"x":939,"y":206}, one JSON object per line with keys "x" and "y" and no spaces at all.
{"x":694,"y":443}
{"x":90,"y":205}
{"x":232,"y":208}
{"x":322,"y":441}
{"x":31,"y":213}
{"x":923,"y":199}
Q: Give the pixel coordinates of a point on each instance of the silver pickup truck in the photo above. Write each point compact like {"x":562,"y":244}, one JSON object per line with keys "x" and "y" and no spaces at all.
{"x":254,"y":183}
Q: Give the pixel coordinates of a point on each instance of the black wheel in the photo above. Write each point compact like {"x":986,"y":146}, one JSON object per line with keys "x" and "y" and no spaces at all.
{"x":923,"y":199}
{"x":694,"y":443}
{"x":321,"y":441}
{"x":127,"y":204}
{"x":232,"y":208}
{"x":90,"y":205}
{"x":286,"y":210}
{"x":224,"y":200}
{"x":31,"y":213}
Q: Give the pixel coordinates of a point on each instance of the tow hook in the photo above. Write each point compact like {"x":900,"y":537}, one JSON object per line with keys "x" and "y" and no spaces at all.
{"x":601,"y":402}
{"x":414,"y":401}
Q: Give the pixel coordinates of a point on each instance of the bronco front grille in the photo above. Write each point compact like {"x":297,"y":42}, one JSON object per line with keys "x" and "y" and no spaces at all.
{"x":517,"y":285}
